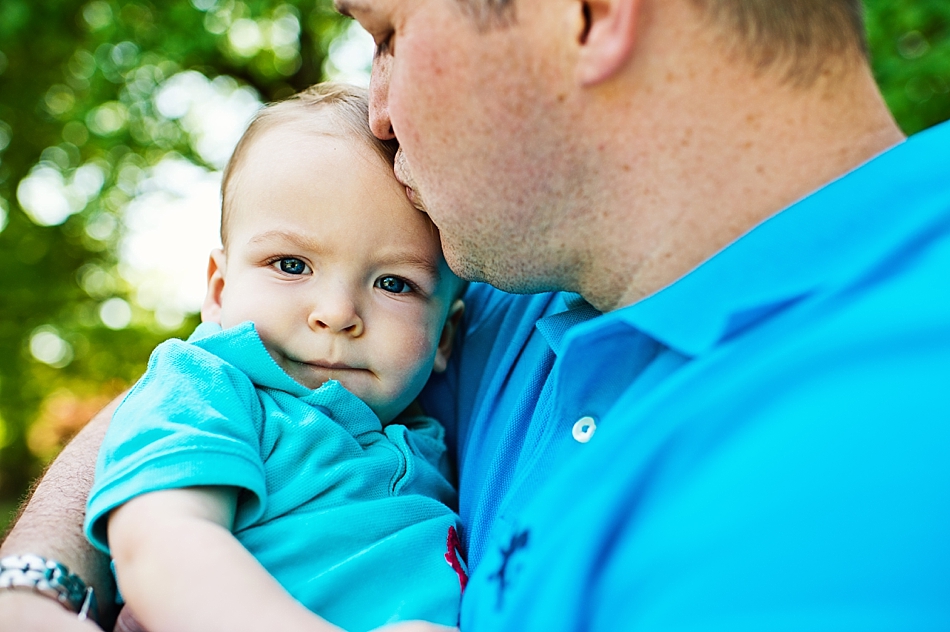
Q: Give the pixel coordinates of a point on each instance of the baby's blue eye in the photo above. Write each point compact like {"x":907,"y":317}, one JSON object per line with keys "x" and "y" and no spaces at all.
{"x":292,"y":265}
{"x":393,"y":284}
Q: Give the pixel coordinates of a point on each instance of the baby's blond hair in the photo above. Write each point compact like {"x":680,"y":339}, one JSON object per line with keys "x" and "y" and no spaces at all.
{"x":345,"y":107}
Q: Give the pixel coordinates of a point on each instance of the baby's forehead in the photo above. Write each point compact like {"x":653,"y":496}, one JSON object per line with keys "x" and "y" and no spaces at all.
{"x":314,"y":125}
{"x":329,"y":180}
{"x":280,"y":135}
{"x":262,"y":165}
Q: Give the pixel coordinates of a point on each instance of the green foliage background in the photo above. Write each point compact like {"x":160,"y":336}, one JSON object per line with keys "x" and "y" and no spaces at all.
{"x":63,"y":63}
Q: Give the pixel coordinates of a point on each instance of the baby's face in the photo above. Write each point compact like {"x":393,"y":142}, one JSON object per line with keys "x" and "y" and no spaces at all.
{"x":343,"y":278}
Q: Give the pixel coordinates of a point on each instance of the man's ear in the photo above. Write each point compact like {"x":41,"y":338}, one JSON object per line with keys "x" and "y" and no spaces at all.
{"x":606,"y":41}
{"x":448,"y":336}
{"x":211,"y":308}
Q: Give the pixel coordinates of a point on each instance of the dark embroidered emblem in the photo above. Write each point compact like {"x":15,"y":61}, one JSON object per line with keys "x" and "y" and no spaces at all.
{"x":453,"y":549}
{"x":518,"y":541}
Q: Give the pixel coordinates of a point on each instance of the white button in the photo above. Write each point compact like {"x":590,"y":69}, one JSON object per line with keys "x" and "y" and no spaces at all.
{"x":584,"y":429}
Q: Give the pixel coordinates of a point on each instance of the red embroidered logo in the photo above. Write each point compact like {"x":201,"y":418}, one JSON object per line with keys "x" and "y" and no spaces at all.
{"x":453,"y":553}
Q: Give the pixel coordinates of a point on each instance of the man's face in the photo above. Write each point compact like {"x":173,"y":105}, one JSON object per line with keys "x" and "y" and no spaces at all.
{"x":342,"y":277}
{"x":481,"y":112}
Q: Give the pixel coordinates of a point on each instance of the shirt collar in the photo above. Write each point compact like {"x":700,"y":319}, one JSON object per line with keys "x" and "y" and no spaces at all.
{"x":242,"y":347}
{"x":819,"y":243}
{"x":555,"y":327}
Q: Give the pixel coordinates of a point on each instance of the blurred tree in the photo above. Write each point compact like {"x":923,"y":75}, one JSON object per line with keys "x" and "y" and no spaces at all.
{"x":910,"y":48}
{"x":81,"y":121}
{"x":86,"y":111}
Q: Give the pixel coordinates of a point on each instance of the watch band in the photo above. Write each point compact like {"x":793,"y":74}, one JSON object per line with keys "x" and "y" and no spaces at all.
{"x":51,"y":579}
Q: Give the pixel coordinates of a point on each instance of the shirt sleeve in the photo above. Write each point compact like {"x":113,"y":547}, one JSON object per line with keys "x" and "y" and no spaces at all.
{"x":193,"y":419}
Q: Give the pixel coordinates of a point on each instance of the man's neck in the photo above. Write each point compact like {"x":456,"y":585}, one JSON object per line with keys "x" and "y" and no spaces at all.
{"x":710,"y":164}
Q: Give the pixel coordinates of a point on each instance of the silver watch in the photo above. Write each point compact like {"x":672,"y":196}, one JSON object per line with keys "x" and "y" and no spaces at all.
{"x":51,"y":579}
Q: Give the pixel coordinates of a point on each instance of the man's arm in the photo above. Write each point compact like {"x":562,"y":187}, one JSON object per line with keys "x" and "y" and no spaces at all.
{"x":51,"y":526}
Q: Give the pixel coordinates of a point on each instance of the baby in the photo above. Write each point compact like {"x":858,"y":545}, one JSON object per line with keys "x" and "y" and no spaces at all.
{"x":256,"y":477}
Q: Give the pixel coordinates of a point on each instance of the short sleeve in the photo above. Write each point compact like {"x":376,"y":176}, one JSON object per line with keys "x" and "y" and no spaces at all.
{"x":192,"y":420}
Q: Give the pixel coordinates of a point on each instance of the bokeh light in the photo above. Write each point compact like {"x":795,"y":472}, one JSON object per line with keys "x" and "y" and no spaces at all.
{"x":48,"y":347}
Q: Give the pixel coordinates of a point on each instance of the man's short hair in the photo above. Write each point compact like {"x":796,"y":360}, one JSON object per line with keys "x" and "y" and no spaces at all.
{"x":799,"y":36}
{"x":490,"y":12}
{"x":326,"y":106}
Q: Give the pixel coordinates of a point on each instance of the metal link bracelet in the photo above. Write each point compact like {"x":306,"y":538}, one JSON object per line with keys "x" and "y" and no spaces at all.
{"x":51,"y":579}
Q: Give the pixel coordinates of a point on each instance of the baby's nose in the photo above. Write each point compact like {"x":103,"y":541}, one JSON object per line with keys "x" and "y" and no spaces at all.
{"x":337,"y":316}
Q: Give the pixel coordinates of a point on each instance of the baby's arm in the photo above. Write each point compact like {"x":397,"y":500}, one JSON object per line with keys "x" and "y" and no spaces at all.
{"x":179,"y":568}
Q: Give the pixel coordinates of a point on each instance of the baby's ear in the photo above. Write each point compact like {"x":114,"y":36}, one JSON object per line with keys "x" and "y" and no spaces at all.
{"x":448,"y":336}
{"x":211,"y":308}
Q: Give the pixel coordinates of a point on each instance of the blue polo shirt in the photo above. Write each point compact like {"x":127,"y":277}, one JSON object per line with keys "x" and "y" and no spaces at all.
{"x":763,"y":445}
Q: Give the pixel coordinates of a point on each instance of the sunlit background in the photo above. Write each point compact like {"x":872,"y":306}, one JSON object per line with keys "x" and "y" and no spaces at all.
{"x":116,"y":118}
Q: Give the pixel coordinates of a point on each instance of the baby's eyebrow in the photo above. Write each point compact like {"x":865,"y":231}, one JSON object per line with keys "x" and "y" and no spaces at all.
{"x":412,"y":260}
{"x":294,"y":238}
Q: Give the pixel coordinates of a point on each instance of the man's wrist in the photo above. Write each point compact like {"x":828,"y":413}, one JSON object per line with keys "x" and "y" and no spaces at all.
{"x":50,"y":579}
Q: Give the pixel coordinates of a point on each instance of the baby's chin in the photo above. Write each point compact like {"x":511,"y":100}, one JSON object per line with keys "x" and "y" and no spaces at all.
{"x":313,"y":377}
{"x":356,"y":381}
{"x":363,"y":383}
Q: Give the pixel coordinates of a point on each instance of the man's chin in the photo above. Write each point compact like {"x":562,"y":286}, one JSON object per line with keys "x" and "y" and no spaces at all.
{"x":464,"y":267}
{"x":496,"y":270}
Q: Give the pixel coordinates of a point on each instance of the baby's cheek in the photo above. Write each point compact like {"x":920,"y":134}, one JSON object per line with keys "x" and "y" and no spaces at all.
{"x":419,"y":352}
{"x":408,"y":338}
{"x":419,"y":335}
{"x":231,"y":318}
{"x":416,"y":356}
{"x":236,"y":309}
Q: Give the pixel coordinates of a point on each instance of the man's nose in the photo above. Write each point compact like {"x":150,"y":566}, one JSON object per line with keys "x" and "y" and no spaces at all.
{"x":336,"y":314}
{"x":379,"y":120}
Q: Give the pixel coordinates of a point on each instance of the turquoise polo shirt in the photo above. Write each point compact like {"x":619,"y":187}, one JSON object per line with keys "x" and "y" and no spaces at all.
{"x":762,"y":445}
{"x":353,"y":518}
